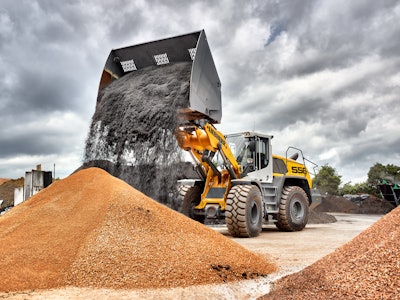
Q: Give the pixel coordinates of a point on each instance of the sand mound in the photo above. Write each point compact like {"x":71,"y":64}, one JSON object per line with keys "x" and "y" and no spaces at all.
{"x":94,"y":230}
{"x":2,"y":180}
{"x":7,"y":191}
{"x":367,"y":267}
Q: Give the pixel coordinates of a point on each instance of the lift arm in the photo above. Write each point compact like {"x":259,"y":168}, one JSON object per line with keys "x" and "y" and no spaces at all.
{"x":203,"y":140}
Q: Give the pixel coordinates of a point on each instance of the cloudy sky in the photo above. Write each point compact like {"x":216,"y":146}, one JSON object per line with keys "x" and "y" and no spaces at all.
{"x":323,"y":76}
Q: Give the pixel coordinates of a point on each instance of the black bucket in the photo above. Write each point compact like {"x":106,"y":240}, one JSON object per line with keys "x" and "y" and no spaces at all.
{"x":204,"y":101}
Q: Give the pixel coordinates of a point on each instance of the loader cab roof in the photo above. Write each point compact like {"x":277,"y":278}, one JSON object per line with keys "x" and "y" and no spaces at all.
{"x":250,"y":134}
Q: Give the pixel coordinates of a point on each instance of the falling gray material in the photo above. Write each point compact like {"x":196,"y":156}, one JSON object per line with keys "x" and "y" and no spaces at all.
{"x":131,"y":135}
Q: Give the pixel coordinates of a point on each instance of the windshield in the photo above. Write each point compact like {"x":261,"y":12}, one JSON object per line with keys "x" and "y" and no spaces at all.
{"x":237,"y":144}
{"x":241,"y":149}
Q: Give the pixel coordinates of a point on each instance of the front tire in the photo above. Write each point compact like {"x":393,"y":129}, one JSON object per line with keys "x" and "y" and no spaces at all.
{"x":191,"y":197}
{"x":293,"y":209}
{"x":243,"y":213}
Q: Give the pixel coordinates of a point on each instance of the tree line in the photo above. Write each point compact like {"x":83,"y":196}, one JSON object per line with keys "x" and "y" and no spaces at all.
{"x":328,"y":181}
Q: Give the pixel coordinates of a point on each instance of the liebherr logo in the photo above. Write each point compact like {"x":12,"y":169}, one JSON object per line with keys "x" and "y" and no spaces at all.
{"x":215,"y":134}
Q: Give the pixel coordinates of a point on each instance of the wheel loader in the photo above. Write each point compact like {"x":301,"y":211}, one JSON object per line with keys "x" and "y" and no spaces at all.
{"x":240,"y":180}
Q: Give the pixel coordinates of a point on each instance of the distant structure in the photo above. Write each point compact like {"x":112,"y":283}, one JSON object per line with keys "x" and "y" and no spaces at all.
{"x":35,"y":181}
{"x":390,"y":191}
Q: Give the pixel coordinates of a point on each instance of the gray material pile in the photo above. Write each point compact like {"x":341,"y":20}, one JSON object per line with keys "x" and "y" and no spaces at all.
{"x":131,"y":135}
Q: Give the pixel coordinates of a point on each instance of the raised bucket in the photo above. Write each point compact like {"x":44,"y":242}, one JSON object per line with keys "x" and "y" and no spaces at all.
{"x":205,"y":86}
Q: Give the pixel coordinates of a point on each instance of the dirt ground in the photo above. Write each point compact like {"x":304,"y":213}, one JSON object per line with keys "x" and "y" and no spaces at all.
{"x":291,"y":251}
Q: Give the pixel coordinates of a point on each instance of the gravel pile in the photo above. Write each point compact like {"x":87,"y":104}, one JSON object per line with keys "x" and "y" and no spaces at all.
{"x":368,"y":267}
{"x":373,"y":205}
{"x":7,"y":187}
{"x":2,"y":180}
{"x":370,"y":205}
{"x":320,"y":218}
{"x":94,"y":230}
{"x":336,"y":204}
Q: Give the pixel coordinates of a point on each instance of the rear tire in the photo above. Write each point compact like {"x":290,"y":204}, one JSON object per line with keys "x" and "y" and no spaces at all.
{"x":243,"y":213}
{"x":191,"y":197}
{"x":293,"y":209}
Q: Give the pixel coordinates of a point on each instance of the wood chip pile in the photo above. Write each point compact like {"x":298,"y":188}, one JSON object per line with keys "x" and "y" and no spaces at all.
{"x":94,"y":230}
{"x":367,"y":267}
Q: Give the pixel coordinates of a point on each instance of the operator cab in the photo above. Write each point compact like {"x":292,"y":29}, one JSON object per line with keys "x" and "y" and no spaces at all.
{"x":253,"y":153}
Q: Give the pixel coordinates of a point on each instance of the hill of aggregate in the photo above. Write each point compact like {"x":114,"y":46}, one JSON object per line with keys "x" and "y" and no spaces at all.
{"x":94,"y":230}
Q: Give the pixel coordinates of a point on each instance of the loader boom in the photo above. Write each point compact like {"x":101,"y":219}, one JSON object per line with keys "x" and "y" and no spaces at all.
{"x":204,"y":142}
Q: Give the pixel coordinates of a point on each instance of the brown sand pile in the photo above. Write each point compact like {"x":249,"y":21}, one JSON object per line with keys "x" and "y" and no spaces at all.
{"x":94,"y":230}
{"x":2,"y":180}
{"x":368,"y":267}
{"x":7,"y":191}
{"x":371,"y":205}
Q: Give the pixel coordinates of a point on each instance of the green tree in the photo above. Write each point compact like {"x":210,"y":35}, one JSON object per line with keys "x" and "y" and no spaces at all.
{"x":376,"y":173}
{"x":348,"y":188}
{"x":359,"y":188}
{"x":393,"y":171}
{"x":327,"y":180}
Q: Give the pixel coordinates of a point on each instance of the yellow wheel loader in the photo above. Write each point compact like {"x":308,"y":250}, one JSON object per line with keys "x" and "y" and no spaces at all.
{"x":243,"y":182}
{"x":240,"y":180}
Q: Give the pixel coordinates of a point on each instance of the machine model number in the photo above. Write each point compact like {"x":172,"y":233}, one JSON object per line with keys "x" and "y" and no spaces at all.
{"x":299,"y":170}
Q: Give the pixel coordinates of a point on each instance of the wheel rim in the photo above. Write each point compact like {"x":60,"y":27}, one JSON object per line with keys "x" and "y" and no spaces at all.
{"x":297,"y":211}
{"x":254,"y":213}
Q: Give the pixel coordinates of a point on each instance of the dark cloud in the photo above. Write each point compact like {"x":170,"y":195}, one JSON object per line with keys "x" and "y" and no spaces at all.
{"x":29,"y":143}
{"x":275,"y":29}
{"x":321,"y":75}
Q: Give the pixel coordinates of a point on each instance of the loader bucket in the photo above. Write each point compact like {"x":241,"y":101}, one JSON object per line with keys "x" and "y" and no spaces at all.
{"x":205,"y":87}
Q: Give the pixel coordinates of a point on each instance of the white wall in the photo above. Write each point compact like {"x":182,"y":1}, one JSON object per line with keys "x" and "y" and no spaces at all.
{"x":18,"y":195}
